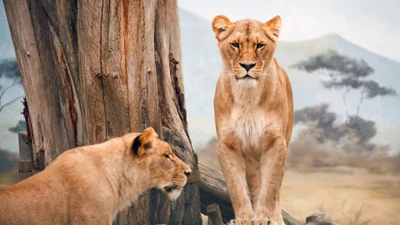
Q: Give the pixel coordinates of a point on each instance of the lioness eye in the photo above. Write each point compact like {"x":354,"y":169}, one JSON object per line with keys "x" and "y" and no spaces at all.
{"x":260,"y":46}
{"x":235,"y":45}
{"x":167,"y":156}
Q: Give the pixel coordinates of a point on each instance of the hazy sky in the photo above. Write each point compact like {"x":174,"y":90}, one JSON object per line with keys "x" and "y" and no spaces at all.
{"x":372,"y":24}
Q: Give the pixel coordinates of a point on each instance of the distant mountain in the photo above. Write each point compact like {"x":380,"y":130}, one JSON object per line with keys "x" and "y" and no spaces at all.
{"x":202,"y":65}
{"x":201,"y":62}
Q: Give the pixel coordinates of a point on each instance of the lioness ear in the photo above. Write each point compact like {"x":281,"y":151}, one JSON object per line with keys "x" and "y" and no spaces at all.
{"x":273,"y":28}
{"x":144,"y":141}
{"x":222,"y":27}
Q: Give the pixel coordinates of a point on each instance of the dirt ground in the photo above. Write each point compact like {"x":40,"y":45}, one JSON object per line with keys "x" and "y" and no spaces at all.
{"x":350,"y":196}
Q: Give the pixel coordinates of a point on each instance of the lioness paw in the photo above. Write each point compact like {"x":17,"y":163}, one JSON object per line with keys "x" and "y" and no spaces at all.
{"x":240,"y":222}
{"x":265,"y":222}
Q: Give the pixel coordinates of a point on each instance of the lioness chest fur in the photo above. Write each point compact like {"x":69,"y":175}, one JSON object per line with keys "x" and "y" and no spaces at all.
{"x":254,"y":117}
{"x":90,"y":184}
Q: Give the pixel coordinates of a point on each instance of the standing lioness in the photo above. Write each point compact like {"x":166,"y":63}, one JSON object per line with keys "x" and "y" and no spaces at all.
{"x":90,"y":184}
{"x":254,"y":117}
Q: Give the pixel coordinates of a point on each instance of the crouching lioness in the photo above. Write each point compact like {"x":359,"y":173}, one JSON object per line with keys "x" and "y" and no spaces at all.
{"x":90,"y":184}
{"x":254,"y":117}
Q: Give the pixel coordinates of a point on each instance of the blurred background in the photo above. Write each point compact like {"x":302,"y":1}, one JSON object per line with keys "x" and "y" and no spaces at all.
{"x":344,"y":64}
{"x":343,"y":60}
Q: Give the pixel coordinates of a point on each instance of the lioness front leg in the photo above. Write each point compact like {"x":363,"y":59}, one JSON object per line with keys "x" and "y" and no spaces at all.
{"x":233,"y":168}
{"x":272,"y":170}
{"x":253,"y":177}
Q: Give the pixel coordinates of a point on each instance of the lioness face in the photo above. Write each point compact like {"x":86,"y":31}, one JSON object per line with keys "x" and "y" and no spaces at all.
{"x":247,"y":47}
{"x":166,"y":170}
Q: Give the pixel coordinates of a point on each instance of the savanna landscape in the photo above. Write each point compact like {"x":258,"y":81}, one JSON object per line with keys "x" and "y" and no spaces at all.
{"x":344,"y":155}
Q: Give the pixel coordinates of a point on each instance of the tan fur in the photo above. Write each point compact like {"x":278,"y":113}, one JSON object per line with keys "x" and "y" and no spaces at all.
{"x":90,"y":184}
{"x":254,"y":117}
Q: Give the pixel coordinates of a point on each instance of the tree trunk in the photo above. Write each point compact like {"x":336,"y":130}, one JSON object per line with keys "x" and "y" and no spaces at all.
{"x":93,"y":70}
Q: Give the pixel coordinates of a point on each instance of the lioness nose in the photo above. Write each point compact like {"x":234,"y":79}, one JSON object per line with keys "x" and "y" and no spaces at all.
{"x":247,"y":66}
{"x":187,"y":173}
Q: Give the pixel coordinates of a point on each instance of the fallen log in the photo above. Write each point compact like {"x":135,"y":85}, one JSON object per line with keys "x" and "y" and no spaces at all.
{"x":213,"y":190}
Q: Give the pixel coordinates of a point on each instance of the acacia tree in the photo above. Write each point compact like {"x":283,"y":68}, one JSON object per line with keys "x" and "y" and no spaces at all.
{"x":320,"y":119}
{"x":9,"y":70}
{"x":93,"y":70}
{"x":21,"y":126}
{"x":345,"y":74}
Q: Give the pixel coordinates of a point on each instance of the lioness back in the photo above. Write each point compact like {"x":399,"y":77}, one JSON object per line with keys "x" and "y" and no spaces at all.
{"x":90,"y":184}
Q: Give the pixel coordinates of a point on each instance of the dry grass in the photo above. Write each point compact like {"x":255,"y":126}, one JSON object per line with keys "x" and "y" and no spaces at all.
{"x":354,"y":215}
{"x":354,"y":197}
{"x":350,"y":189}
{"x":208,"y":154}
{"x":390,"y":188}
{"x":307,"y":154}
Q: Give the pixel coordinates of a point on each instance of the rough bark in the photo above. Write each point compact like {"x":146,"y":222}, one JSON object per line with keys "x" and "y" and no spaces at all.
{"x":213,"y":191}
{"x":93,"y":70}
{"x":214,"y":215}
